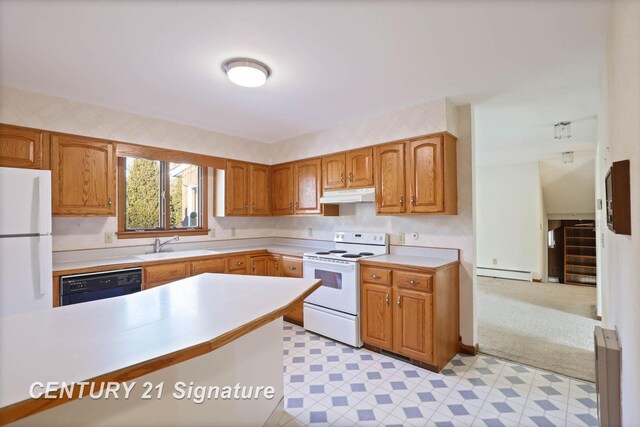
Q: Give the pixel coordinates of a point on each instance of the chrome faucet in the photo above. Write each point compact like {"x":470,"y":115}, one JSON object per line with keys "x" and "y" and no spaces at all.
{"x":157,"y":246}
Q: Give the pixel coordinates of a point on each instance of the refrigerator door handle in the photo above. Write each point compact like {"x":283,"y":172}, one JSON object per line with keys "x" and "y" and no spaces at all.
{"x":44,"y":265}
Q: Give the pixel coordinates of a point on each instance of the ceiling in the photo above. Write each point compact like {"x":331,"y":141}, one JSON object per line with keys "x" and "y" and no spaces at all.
{"x":332,"y":62}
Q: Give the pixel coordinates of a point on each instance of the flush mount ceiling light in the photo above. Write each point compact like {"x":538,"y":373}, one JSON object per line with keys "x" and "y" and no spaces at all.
{"x":567,"y":157}
{"x":562,"y":130}
{"x":246,"y":72}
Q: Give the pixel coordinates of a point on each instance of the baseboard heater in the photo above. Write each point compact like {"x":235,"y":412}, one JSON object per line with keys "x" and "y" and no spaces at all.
{"x":608,"y":376}
{"x":505,"y":274}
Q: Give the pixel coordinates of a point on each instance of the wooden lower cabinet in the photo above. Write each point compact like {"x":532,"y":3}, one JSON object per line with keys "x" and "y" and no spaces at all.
{"x":292,"y":267}
{"x":215,"y":265}
{"x":258,"y":265}
{"x":413,"y":324}
{"x":376,"y":315}
{"x":412,"y":311}
{"x":160,"y":274}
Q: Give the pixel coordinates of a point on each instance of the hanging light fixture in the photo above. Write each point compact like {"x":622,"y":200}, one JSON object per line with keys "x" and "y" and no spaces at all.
{"x":567,"y":157}
{"x":562,"y":130}
{"x":246,"y":72}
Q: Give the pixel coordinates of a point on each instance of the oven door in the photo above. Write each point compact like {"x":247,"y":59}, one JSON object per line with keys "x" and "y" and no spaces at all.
{"x":339,"y":290}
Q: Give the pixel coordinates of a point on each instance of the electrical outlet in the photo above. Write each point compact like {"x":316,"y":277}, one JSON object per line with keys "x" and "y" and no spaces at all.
{"x":233,"y":232}
{"x":401,"y":236}
{"x":108,"y":237}
{"x":310,"y":231}
{"x":495,"y":261}
{"x":212,"y":232}
{"x":415,"y":236}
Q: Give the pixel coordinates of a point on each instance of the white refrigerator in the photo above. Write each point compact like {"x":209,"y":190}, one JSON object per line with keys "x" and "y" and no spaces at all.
{"x":25,"y":241}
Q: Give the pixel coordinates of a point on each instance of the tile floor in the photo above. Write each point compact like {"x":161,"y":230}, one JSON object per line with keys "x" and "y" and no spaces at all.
{"x":328,"y":383}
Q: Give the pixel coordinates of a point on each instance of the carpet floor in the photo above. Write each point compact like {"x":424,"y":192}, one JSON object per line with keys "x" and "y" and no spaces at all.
{"x":545,"y":325}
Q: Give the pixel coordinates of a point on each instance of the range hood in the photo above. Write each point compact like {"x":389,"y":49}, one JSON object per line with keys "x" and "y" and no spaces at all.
{"x":359,"y":195}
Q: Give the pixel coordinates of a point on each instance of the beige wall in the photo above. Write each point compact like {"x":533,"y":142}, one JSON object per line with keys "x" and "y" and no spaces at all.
{"x":619,"y":140}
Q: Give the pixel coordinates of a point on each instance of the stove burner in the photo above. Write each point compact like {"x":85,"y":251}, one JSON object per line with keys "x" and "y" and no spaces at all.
{"x":337,"y":251}
{"x":366,"y":253}
{"x":351,"y":256}
{"x":322,"y":253}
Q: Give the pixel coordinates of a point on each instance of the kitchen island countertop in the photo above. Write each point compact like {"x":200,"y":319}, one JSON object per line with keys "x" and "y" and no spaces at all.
{"x":125,"y":337}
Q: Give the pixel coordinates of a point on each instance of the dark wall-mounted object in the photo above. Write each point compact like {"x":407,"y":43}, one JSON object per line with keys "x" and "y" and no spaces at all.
{"x":618,"y":192}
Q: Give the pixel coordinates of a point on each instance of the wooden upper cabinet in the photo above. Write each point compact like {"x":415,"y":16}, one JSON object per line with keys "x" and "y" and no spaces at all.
{"x":306,"y":185}
{"x":390,"y":178}
{"x":359,"y":168}
{"x":333,"y":172}
{"x":431,"y":172}
{"x":413,"y":324}
{"x":83,"y":174}
{"x":377,"y":315}
{"x":236,"y":188}
{"x":282,"y":189}
{"x":21,"y":147}
{"x":259,"y":190}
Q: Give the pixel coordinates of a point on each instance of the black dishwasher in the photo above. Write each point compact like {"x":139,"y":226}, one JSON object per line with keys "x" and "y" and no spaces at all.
{"x":93,"y":286}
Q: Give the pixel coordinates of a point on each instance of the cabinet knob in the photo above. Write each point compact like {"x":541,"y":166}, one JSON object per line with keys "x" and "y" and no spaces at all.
{"x":246,"y":206}
{"x":350,"y":176}
{"x":386,"y":299}
{"x":341,"y":177}
{"x":253,"y":206}
{"x":412,"y":282}
{"x":401,"y":200}
{"x":110,"y":201}
{"x":375,"y":276}
{"x":291,"y":267}
{"x":296,"y":205}
{"x":413,"y":200}
{"x":239,"y":263}
{"x":253,"y":268}
{"x":398,"y":301}
{"x":277,"y":266}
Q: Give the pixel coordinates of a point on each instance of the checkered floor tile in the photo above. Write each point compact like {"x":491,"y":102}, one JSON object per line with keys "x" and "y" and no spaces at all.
{"x":328,"y":383}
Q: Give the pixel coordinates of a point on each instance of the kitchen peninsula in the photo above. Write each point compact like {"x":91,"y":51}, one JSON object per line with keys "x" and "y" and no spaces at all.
{"x":209,"y":330}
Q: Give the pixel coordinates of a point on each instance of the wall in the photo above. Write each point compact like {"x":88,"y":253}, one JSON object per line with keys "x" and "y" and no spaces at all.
{"x":509,"y":218}
{"x":438,"y":231}
{"x":58,"y":114}
{"x":620,"y":140}
{"x":569,"y":189}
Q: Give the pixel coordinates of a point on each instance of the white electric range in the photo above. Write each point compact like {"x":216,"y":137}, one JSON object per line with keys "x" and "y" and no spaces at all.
{"x":333,"y":310}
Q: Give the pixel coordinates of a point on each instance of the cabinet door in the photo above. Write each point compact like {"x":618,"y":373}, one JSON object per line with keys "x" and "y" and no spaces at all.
{"x":390,"y":178}
{"x":273,"y":266}
{"x":333,"y":173}
{"x":155,"y":275}
{"x":425,"y":172}
{"x":359,"y":168}
{"x":21,"y":147}
{"x":282,"y":189}
{"x":236,"y":192}
{"x":259,"y":189}
{"x":413,"y":324}
{"x":215,"y":265}
{"x":259,"y":265}
{"x":306,"y":184}
{"x":376,"y":315}
{"x":83,"y":175}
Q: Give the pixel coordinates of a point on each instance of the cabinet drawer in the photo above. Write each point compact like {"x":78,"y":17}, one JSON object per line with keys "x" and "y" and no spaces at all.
{"x":165,"y":272}
{"x":416,"y":281}
{"x":207,"y":266}
{"x":376,"y":275}
{"x":291,"y":267}
{"x":236,"y":263}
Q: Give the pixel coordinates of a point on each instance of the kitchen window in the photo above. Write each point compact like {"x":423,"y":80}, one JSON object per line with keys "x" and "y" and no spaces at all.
{"x":158,"y":198}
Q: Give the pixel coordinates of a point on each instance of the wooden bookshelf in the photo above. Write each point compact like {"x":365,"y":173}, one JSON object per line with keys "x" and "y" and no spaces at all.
{"x":580,"y":256}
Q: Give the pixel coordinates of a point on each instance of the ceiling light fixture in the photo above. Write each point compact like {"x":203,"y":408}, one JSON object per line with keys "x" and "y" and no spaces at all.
{"x":567,"y":157}
{"x":246,"y":72}
{"x":562,"y":130}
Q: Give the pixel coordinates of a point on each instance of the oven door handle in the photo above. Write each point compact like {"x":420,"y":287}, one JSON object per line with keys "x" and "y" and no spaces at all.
{"x":312,"y":263}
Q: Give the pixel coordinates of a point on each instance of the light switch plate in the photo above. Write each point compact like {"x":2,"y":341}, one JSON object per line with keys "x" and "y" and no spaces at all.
{"x":401,"y":236}
{"x":233,"y":232}
{"x":108,"y":237}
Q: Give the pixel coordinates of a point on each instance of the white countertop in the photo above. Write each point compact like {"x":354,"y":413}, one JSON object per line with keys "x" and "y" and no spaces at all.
{"x":132,"y":259}
{"x":415,"y":261}
{"x":78,"y":342}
